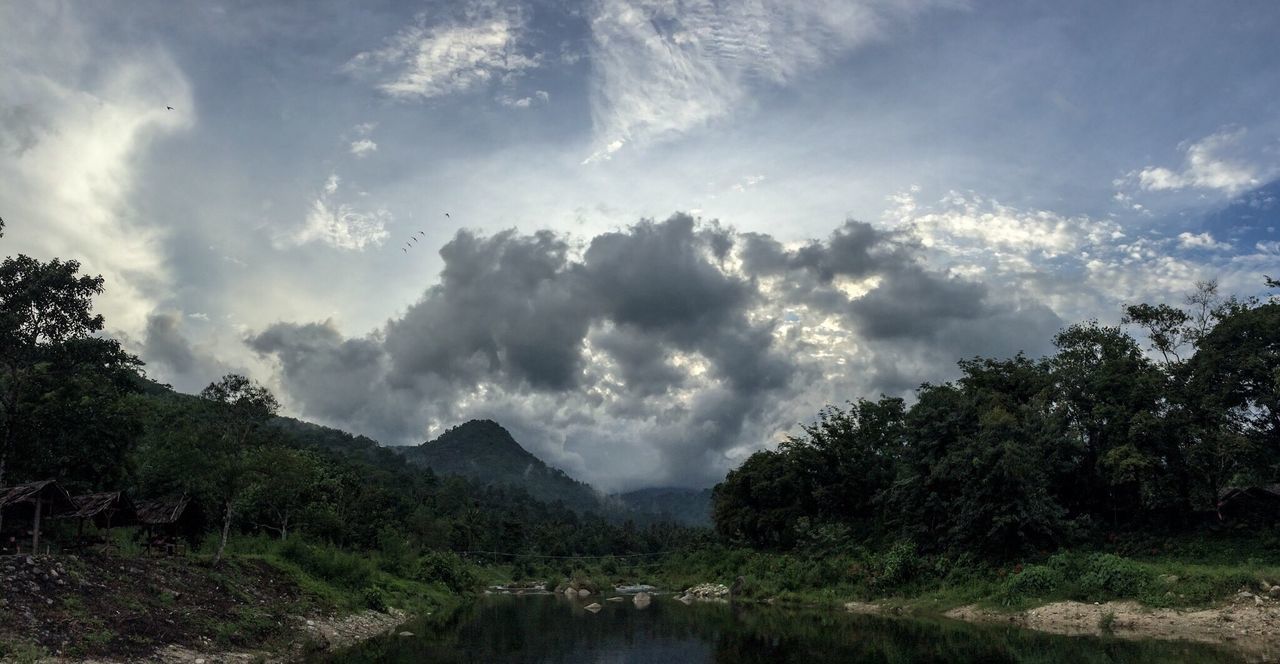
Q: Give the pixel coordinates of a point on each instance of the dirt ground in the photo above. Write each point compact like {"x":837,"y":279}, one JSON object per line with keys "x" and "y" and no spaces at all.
{"x":1244,"y":623}
{"x":99,"y":607}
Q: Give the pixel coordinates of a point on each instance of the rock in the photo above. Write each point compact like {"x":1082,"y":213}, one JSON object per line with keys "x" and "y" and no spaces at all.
{"x":616,"y":599}
{"x":1257,"y":601}
{"x":1274,"y":593}
{"x":593,"y":607}
{"x":642,"y":600}
{"x":583,"y":592}
{"x":1169,"y":579}
{"x":406,"y":634}
{"x":199,"y":660}
{"x":570,"y":592}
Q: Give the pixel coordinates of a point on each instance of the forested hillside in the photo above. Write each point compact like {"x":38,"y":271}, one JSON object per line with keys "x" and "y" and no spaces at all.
{"x":1108,"y":436}
{"x":485,"y":452}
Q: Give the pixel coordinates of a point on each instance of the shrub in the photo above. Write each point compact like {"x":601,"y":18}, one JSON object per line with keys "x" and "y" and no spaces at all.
{"x":1033,"y":581}
{"x":373,"y":600}
{"x":328,"y":563}
{"x":447,"y":568}
{"x":1108,"y":575}
{"x":898,"y":565}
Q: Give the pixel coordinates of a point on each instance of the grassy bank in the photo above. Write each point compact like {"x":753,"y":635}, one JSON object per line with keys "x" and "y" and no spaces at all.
{"x":1189,"y":573}
{"x":127,"y":605}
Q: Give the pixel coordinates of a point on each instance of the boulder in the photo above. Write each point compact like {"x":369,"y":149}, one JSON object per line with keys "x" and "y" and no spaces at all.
{"x":616,"y":599}
{"x":593,"y":607}
{"x":583,"y":592}
{"x":642,"y":600}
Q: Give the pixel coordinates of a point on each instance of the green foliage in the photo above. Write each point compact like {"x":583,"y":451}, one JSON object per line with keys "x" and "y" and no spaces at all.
{"x":329,"y":563}
{"x":1105,"y":576}
{"x":374,"y":600}
{"x":1033,"y":581}
{"x":446,"y":568}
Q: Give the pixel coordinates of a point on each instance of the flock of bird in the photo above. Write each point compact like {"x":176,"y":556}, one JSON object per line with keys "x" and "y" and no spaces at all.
{"x":413,"y":239}
{"x":409,"y":244}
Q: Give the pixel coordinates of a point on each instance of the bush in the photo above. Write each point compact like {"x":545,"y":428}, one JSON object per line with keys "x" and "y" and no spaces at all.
{"x":328,"y":563}
{"x":898,"y":565}
{"x":447,"y":568}
{"x":1033,"y":581}
{"x":373,"y":600}
{"x":1108,"y":575}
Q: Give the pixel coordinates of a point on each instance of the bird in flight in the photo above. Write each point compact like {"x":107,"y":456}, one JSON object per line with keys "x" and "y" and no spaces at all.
{"x":169,"y":107}
{"x":447,"y":215}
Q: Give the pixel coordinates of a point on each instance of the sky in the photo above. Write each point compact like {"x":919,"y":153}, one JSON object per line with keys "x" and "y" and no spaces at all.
{"x":648,"y":237}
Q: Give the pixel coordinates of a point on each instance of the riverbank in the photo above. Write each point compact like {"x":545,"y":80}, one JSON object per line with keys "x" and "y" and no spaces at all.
{"x":114,"y":608}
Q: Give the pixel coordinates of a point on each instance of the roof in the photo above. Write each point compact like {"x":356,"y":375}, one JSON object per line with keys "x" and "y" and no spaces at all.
{"x":166,"y":510}
{"x":1265,"y":491}
{"x":28,"y":493}
{"x":92,"y":504}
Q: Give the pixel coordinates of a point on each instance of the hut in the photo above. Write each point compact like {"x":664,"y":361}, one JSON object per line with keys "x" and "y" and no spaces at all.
{"x":105,"y":510}
{"x":167,"y":521}
{"x":1252,"y":504}
{"x":24,"y":507}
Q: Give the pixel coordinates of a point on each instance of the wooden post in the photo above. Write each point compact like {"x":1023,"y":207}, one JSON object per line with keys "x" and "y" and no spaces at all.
{"x":35,"y":527}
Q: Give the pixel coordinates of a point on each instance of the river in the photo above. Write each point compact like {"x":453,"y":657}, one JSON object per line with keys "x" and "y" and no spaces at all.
{"x":550,"y":628}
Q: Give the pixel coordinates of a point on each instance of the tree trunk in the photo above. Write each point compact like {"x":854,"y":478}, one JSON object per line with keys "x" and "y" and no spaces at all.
{"x":284,"y":528}
{"x":226,"y":530}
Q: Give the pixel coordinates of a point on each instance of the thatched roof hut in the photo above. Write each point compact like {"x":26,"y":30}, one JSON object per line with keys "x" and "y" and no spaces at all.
{"x":25,"y":505}
{"x":108,"y":509}
{"x":172,"y":516}
{"x":1252,"y":503}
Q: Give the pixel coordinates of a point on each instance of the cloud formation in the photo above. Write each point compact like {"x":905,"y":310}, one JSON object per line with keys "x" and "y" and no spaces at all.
{"x":685,"y":342}
{"x":340,"y":225}
{"x":1213,"y":162}
{"x":434,"y":59}
{"x":662,"y":68}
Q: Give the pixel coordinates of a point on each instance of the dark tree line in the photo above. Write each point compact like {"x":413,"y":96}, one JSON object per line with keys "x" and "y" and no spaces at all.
{"x":76,"y":407}
{"x":1025,"y":454}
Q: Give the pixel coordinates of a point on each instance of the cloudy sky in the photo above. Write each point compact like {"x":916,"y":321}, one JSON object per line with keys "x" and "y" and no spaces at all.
{"x":650,"y":236}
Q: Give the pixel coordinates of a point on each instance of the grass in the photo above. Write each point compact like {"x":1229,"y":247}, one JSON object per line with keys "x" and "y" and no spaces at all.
{"x":1183,"y":573}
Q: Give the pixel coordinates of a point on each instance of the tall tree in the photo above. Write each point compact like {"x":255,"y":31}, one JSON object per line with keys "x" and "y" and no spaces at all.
{"x":239,"y":408}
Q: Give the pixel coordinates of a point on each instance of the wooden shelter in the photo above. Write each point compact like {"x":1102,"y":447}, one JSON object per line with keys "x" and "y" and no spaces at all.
{"x":27,"y":505}
{"x":105,"y":510}
{"x":1253,"y":504}
{"x":167,"y":520}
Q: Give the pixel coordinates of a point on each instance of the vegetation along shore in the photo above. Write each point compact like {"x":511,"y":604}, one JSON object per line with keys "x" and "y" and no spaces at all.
{"x":1128,"y":479}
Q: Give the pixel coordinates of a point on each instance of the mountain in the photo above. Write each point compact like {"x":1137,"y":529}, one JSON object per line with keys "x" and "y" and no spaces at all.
{"x":484,"y":451}
{"x":691,"y":507}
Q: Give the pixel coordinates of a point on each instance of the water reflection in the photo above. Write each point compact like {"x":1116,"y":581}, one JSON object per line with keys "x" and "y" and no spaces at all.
{"x":554,"y":629}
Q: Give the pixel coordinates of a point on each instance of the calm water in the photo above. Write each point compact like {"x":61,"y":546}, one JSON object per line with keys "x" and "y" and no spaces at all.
{"x":554,"y":629}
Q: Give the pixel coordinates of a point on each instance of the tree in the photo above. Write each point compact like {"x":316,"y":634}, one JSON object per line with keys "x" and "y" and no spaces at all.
{"x":1234,"y":394}
{"x":238,"y":409}
{"x":42,"y":307}
{"x":286,"y":483}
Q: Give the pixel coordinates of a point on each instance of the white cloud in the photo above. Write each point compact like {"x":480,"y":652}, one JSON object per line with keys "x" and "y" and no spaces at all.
{"x":363,"y":147}
{"x":539,"y":97}
{"x":339,"y":225}
{"x":1201,"y":241}
{"x":748,"y":182}
{"x":73,"y":135}
{"x":1217,"y":161}
{"x":663,"y":68}
{"x":422,"y":62}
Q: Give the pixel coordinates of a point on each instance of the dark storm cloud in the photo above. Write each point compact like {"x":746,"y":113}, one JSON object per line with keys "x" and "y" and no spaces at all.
{"x":165,"y":344}
{"x":507,"y":308}
{"x":172,"y":357}
{"x":652,"y":343}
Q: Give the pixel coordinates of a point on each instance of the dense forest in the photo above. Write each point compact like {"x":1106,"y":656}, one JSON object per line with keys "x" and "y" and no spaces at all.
{"x":1111,"y":434}
{"x":78,"y":408}
{"x":1016,"y":456}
